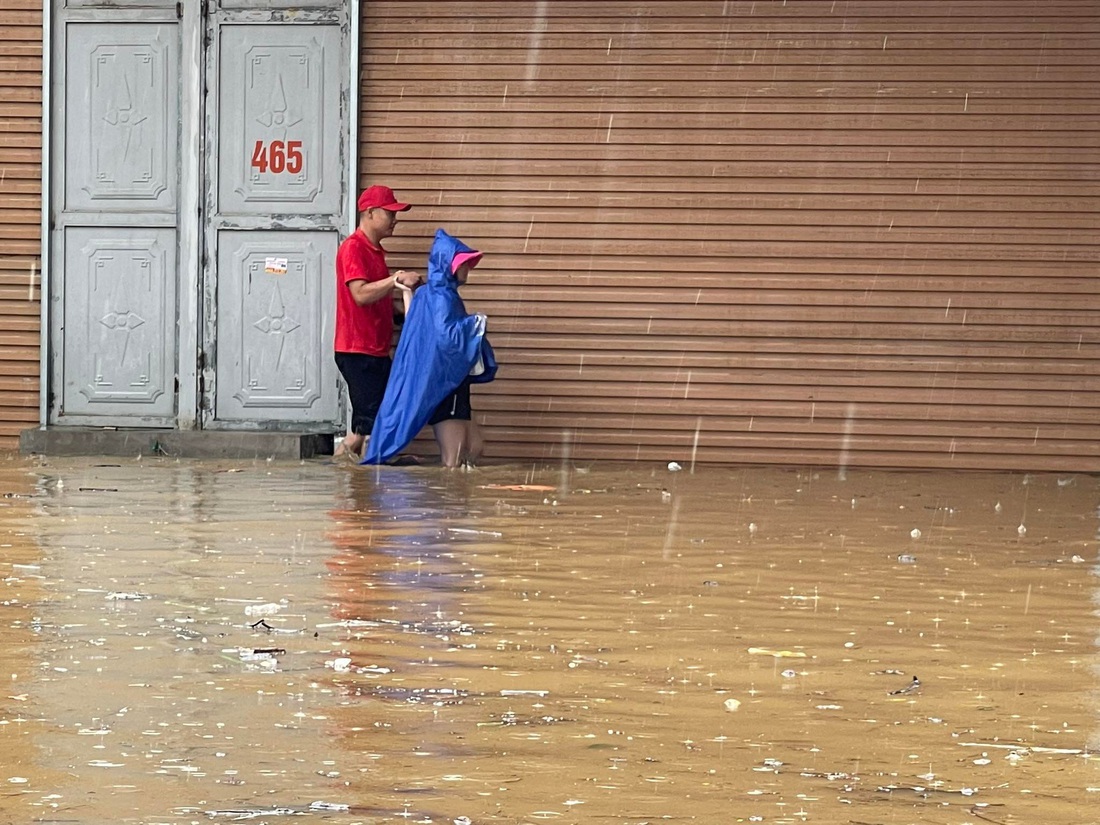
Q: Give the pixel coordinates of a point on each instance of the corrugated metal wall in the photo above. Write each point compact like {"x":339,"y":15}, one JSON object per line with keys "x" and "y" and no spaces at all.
{"x":20,"y":186}
{"x":812,"y":231}
{"x":806,"y":232}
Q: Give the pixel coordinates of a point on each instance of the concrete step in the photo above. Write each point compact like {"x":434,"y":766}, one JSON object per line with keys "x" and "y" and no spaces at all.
{"x":117,"y":441}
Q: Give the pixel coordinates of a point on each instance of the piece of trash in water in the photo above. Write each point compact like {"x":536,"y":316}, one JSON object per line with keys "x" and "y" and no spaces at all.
{"x":465,"y":531}
{"x":520,"y":488}
{"x":673,"y":467}
{"x":778,"y":654}
{"x":341,"y":665}
{"x":909,"y":688}
{"x":506,"y":692}
{"x":263,"y":656}
{"x":666,"y":496}
{"x":915,"y":533}
{"x":269,"y":609}
{"x":789,"y":674}
{"x":125,"y":597}
{"x":251,"y":813}
{"x":463,"y":820}
{"x":327,"y":806}
{"x":1021,"y":530}
{"x":732,"y":705}
{"x":907,"y":558}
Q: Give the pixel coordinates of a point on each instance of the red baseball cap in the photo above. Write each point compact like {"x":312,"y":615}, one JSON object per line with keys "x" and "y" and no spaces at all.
{"x":381,"y":197}
{"x":472,"y":257}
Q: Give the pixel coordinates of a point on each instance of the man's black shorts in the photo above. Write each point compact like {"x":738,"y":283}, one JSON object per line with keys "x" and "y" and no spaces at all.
{"x":455,"y":406}
{"x":366,"y":377}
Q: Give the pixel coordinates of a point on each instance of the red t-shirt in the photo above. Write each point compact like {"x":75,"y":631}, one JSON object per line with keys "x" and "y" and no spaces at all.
{"x":366,"y":329}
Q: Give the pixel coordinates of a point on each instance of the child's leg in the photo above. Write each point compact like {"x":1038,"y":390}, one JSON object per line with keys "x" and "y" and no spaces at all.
{"x":474,"y":442}
{"x":451,"y":436}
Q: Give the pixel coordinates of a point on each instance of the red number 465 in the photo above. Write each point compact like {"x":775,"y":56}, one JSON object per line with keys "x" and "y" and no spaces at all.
{"x":278,"y":157}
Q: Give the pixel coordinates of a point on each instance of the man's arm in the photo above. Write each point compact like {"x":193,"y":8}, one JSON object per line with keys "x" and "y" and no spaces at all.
{"x":369,"y":292}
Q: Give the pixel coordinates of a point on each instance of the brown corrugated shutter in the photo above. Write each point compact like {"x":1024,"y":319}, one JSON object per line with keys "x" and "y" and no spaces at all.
{"x":20,"y":205}
{"x":810,"y":232}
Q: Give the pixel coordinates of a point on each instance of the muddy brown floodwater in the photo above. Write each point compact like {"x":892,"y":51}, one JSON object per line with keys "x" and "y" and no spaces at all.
{"x":189,"y":642}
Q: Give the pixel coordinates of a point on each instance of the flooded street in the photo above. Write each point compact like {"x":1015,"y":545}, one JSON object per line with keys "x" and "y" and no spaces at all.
{"x":194,"y":642}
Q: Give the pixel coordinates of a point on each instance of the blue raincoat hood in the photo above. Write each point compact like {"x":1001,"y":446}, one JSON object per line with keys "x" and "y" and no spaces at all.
{"x":439,"y":345}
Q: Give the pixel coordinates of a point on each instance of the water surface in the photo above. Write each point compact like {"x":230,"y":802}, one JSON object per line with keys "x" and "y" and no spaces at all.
{"x":189,"y":642}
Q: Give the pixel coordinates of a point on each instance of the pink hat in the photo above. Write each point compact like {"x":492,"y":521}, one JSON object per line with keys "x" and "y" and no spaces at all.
{"x":381,"y":197}
{"x":472,"y":257}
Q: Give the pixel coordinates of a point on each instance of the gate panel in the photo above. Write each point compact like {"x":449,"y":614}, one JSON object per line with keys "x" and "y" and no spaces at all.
{"x":119,"y":321}
{"x":113,"y":336}
{"x":280,"y":125}
{"x":273,"y":309}
{"x":276,"y":201}
{"x":120,"y":146}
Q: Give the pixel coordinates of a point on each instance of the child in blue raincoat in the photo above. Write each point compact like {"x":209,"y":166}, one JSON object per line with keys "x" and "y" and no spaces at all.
{"x":442,"y":350}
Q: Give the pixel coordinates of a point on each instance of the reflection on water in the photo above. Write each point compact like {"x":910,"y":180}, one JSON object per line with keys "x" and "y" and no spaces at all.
{"x":197,"y":642}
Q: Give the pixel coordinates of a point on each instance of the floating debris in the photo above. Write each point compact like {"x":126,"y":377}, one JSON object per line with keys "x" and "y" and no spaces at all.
{"x":269,"y":609}
{"x":520,"y":488}
{"x":251,"y":813}
{"x":778,"y":654}
{"x":328,"y":806}
{"x":912,"y":687}
{"x":126,"y":597}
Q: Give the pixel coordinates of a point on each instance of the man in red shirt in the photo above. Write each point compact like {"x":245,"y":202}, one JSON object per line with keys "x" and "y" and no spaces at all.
{"x":364,"y":310}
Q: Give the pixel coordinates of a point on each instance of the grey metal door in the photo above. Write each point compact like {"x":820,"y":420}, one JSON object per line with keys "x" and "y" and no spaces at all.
{"x":113,"y":214}
{"x":275,"y":202}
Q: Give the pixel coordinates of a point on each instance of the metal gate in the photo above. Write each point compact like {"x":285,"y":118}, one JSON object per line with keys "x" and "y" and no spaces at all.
{"x":194,"y":233}
{"x":276,"y":173}
{"x":114,"y":208}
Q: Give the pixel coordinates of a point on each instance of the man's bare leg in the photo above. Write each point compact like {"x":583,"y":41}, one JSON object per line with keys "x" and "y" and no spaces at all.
{"x":351,"y":445}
